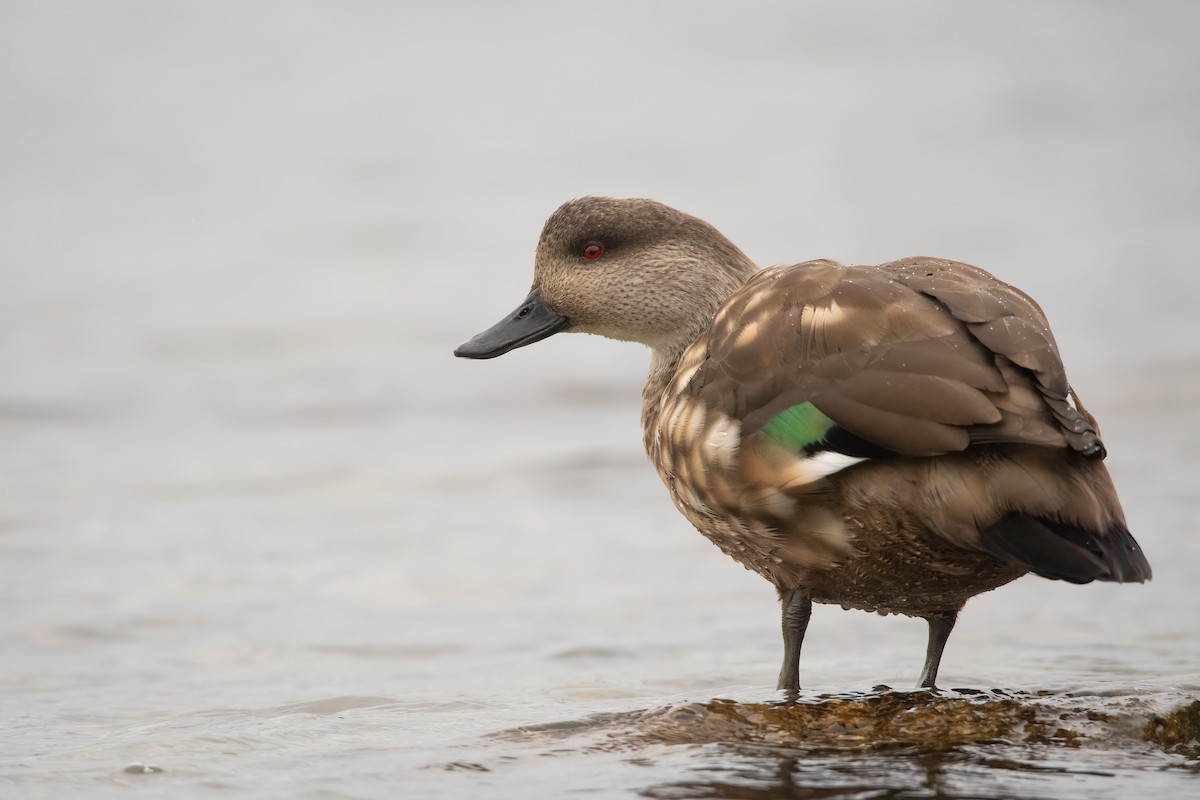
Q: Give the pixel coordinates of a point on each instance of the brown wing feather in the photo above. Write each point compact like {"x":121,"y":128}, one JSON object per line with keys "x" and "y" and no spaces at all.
{"x":920,"y":356}
{"x":1010,"y":324}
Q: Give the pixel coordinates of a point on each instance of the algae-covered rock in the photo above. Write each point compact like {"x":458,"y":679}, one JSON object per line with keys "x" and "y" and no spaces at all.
{"x":1178,"y":731}
{"x":930,"y":720}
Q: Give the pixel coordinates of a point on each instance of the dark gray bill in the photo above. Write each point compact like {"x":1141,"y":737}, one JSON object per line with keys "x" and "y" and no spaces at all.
{"x":531,"y":322}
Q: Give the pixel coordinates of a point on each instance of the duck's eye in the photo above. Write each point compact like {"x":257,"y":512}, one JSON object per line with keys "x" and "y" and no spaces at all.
{"x":593,"y":251}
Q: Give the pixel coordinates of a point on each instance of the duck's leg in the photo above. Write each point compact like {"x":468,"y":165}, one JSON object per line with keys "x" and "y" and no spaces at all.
{"x":797,"y":608}
{"x":939,"y":631}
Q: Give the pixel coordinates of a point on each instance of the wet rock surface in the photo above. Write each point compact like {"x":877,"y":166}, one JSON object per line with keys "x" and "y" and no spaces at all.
{"x":930,"y":721}
{"x":1177,"y":731}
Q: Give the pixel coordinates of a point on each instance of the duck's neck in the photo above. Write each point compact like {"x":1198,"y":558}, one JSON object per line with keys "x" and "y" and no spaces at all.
{"x":663,"y":366}
{"x":671,"y":367}
{"x":727,"y":271}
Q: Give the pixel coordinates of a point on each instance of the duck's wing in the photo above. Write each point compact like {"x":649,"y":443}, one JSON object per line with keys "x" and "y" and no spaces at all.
{"x":823,"y":366}
{"x":917,"y":357}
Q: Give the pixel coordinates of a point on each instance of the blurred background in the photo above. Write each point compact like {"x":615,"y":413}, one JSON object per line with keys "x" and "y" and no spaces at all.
{"x":258,"y":528}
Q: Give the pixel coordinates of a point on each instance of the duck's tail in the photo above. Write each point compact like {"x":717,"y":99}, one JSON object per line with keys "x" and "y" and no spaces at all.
{"x":1061,"y":551}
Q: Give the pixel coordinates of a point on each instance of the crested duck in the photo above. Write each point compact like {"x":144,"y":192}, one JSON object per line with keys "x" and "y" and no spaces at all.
{"x":894,"y":438}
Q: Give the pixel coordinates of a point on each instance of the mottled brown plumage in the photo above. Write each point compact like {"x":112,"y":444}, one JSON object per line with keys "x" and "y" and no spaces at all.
{"x":895,"y":439}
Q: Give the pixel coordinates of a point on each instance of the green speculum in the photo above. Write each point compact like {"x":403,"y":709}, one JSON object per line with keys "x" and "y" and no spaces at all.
{"x":797,"y":427}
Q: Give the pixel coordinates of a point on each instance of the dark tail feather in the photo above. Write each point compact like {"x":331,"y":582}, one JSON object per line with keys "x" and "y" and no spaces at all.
{"x":1064,"y":552}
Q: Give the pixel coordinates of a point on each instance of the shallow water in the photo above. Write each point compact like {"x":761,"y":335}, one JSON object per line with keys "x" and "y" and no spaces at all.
{"x":262,"y":535}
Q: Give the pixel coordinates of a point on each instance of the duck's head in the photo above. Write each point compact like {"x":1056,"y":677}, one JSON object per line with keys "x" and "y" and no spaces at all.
{"x":627,"y":269}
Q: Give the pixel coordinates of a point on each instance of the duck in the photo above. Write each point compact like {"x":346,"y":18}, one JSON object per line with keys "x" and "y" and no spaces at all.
{"x":894,"y":438}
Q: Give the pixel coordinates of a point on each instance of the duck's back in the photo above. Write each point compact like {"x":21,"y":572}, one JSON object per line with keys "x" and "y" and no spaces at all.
{"x":866,"y":429}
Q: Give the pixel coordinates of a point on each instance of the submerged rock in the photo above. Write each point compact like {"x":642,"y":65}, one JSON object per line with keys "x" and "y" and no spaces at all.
{"x":1178,"y":731}
{"x":932,"y":720}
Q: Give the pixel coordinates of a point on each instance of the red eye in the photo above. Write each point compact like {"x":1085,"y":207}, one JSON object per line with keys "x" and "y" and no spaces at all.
{"x":593,"y":251}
